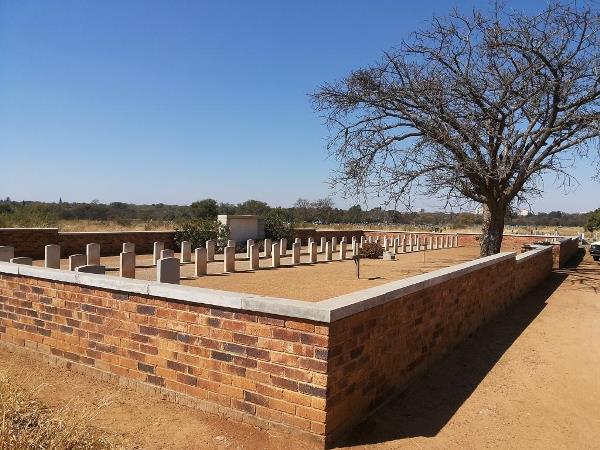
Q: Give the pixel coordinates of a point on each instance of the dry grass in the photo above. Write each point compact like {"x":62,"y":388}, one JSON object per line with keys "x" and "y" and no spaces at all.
{"x":110,"y":225}
{"x":26,"y":424}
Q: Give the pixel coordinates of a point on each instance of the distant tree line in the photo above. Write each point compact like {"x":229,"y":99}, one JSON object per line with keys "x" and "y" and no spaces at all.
{"x":303,"y":213}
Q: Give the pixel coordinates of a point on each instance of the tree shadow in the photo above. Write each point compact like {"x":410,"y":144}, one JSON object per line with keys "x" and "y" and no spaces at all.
{"x":430,"y":401}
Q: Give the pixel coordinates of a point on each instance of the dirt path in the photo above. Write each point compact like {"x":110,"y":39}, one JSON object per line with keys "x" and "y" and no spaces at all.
{"x":530,"y":379}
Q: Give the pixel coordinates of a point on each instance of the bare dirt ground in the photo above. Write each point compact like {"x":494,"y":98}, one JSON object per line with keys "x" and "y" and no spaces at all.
{"x":310,"y":282}
{"x":528,"y":379}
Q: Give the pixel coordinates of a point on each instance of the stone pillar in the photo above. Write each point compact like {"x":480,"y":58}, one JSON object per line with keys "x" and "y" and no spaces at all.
{"x":456,"y":240}
{"x":6,"y":253}
{"x":403,"y":244}
{"x":312,"y":250}
{"x":230,"y":243}
{"x":363,"y":239}
{"x":355,"y":249}
{"x":429,"y":241}
{"x":167,"y":253}
{"x":77,"y":260}
{"x":254,"y":257}
{"x":283,"y":247}
{"x":229,"y":259}
{"x":128,"y":247}
{"x":343,"y":250}
{"x":275,"y":254}
{"x":354,"y":241}
{"x":201,"y":259}
{"x":52,"y":256}
{"x":127,"y":264}
{"x":328,"y":251}
{"x":168,"y":270}
{"x":158,"y":247}
{"x":186,"y":251}
{"x":210,"y":249}
{"x":323,"y":244}
{"x":334,"y":242}
{"x":268,"y":248}
{"x":434,"y":242}
{"x":298,"y":241}
{"x":249,"y":243}
{"x":310,"y":241}
{"x":395,"y":247}
{"x":22,"y":260}
{"x":96,"y":269}
{"x":93,"y":254}
{"x":386,"y":244}
{"x":296,"y":253}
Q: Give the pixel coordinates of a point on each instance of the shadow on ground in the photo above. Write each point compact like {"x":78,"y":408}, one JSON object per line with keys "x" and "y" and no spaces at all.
{"x":431,"y":401}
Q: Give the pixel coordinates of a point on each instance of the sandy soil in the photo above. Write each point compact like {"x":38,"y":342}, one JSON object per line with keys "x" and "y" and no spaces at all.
{"x":529,"y":379}
{"x":310,"y":282}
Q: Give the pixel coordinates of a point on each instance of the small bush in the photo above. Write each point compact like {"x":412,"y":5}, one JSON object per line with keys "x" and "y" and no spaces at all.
{"x":371,"y":250}
{"x":200,"y":231}
{"x":278,"y":226}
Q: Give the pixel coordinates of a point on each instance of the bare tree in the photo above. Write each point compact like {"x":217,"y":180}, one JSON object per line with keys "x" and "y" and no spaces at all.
{"x":475,"y":108}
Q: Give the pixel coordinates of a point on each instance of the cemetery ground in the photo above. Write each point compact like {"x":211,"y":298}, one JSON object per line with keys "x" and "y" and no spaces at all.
{"x":527,"y":379}
{"x":310,"y":282}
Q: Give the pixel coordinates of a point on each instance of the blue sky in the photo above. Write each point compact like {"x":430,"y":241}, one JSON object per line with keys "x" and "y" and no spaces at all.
{"x":173,"y":101}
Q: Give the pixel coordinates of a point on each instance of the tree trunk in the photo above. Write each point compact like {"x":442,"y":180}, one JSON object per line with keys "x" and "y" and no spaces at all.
{"x":492,"y":229}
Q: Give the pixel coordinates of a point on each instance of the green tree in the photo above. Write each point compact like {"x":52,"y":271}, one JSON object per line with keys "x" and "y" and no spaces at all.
{"x":204,"y":209}
{"x":593,"y":221}
{"x":278,"y":225}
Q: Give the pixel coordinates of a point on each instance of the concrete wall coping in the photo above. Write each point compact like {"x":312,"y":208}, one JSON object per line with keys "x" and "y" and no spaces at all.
{"x":533,"y":253}
{"x":117,"y":232}
{"x":28,"y":229}
{"x":328,"y":310}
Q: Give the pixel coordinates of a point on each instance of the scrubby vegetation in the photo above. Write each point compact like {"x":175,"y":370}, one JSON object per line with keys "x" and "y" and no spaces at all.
{"x":26,"y":424}
{"x":199,"y":231}
{"x":304,"y":213}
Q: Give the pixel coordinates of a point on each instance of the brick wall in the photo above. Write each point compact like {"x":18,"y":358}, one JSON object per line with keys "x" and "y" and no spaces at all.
{"x":111,"y":243}
{"x":257,"y":368}
{"x":31,"y":241}
{"x":375,"y":353}
{"x":314,"y":369}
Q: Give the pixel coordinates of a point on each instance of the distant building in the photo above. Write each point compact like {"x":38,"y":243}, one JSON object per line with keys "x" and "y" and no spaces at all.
{"x":523,"y":212}
{"x":244,"y":227}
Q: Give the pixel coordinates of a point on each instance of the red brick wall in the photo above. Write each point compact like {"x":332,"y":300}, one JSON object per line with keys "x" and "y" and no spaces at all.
{"x":531,"y":271}
{"x":257,"y":368}
{"x":375,"y":354}
{"x":31,"y":241}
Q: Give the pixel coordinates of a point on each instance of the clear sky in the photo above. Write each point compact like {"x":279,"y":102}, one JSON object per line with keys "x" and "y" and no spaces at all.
{"x":173,"y":101}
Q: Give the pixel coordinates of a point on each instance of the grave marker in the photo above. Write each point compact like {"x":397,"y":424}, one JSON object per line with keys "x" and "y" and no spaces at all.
{"x":93,"y":254}
{"x":52,"y":256}
{"x":127,"y":264}
{"x":201,"y":260}
{"x":168,"y":270}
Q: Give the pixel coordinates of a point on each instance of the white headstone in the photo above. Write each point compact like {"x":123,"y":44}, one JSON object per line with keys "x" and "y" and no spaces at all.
{"x":275,"y":254}
{"x":334,"y":243}
{"x":128,"y":247}
{"x":312,"y":249}
{"x":229,"y":259}
{"x":93,"y":254}
{"x":283,"y":247}
{"x":158,"y":247}
{"x":127,"y":264}
{"x":343,"y":250}
{"x":6,"y":253}
{"x":186,"y":251}
{"x":254,"y":257}
{"x":323,"y":244}
{"x":298,"y":241}
{"x":52,"y":256}
{"x":167,"y":253}
{"x":249,"y":243}
{"x":295,"y":253}
{"x":201,"y":259}
{"x":210,"y":249}
{"x":230,"y":243}
{"x":76,"y":261}
{"x":268,"y":248}
{"x":328,"y":251}
{"x":168,"y":270}
{"x":355,"y":249}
